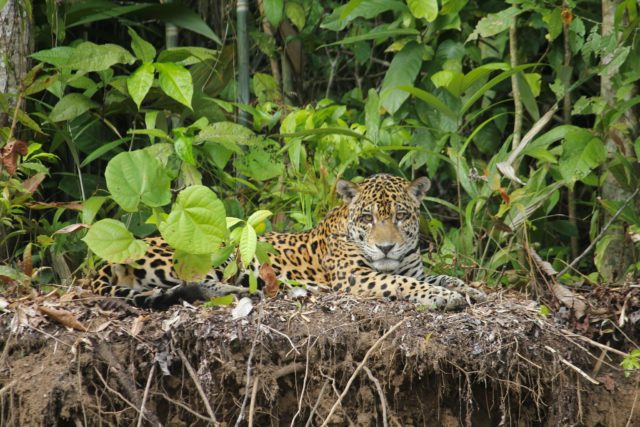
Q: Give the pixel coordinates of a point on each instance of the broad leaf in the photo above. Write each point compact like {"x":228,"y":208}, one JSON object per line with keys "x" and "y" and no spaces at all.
{"x":424,"y":9}
{"x":136,"y":176}
{"x":111,"y":240}
{"x":58,"y":56}
{"x":70,"y":107}
{"x":89,"y":57}
{"x":176,"y":82}
{"x":258,"y":217}
{"x":403,"y":71}
{"x":228,"y":134}
{"x":581,"y":153}
{"x":191,"y":267}
{"x":248,"y":241}
{"x":139,"y":83}
{"x":143,"y":50}
{"x":273,"y":11}
{"x":197,"y":222}
{"x":494,"y":23}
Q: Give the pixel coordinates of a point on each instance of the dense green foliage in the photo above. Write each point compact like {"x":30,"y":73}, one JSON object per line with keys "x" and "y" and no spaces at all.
{"x":129,"y":137}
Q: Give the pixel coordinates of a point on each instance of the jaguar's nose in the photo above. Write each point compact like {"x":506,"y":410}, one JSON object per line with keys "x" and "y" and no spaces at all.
{"x":385,"y":249}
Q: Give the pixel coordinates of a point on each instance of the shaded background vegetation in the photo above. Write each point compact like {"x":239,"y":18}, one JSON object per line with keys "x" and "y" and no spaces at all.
{"x":447,"y":89}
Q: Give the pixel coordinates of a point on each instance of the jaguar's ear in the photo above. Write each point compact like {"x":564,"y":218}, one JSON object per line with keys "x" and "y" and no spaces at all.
{"x":347,"y":190}
{"x":419,"y":187}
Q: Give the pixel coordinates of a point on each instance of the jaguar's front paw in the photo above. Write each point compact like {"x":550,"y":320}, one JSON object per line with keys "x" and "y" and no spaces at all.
{"x":439,"y":298}
{"x":457,"y":285}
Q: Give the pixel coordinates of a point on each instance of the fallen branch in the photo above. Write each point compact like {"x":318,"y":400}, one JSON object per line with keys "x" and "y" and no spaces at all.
{"x":252,"y":404}
{"x":572,"y":366}
{"x":358,"y":369}
{"x":194,"y":378}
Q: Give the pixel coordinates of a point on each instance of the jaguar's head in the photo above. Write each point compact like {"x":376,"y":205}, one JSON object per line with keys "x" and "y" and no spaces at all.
{"x":383,"y":217}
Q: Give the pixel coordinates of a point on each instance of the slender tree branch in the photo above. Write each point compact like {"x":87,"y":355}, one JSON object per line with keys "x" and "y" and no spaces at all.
{"x":600,"y":235}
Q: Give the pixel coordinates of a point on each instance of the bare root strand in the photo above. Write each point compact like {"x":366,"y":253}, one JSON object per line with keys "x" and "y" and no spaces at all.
{"x":195,"y":380}
{"x":358,"y":369}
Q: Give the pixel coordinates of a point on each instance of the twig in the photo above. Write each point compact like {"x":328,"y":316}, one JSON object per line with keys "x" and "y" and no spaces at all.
{"x":515,"y":86}
{"x":183,"y":406}
{"x":633,"y":407}
{"x":252,"y":404}
{"x":315,"y":406}
{"x":286,"y":370}
{"x":572,"y":366}
{"x":146,"y":394}
{"x":293,"y":347}
{"x":249,"y":368}
{"x":600,"y":235}
{"x":116,"y":392}
{"x":383,"y":399}
{"x":358,"y":369}
{"x":595,"y":343}
{"x":7,"y":387}
{"x":304,"y":384}
{"x":195,"y":380}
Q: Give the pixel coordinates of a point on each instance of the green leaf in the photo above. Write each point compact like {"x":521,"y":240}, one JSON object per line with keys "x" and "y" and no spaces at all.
{"x":343,"y":15}
{"x":191,"y":267}
{"x":227,"y":133}
{"x":176,"y":82}
{"x":139,"y":83}
{"x":581,"y":153}
{"x":136,"y":176}
{"x":253,"y":282}
{"x":90,"y":208}
{"x":70,"y":107}
{"x":184,"y":149}
{"x":429,"y":99}
{"x":110,"y":240}
{"x":258,"y":217}
{"x":262,"y":162}
{"x":424,"y":9}
{"x":374,"y":35}
{"x":101,"y":150}
{"x":553,"y":19}
{"x":295,"y":12}
{"x":248,"y":241}
{"x":230,"y":270}
{"x":494,"y":23}
{"x":197,"y":222}
{"x":220,"y":301}
{"x":89,"y":57}
{"x":372,"y":115}
{"x":403,"y":71}
{"x":58,"y":56}
{"x":491,"y":83}
{"x":273,"y":11}
{"x":143,"y":50}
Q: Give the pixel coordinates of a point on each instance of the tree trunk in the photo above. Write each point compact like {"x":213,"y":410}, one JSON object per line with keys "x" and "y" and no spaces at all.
{"x":15,"y":47}
{"x":617,"y":256}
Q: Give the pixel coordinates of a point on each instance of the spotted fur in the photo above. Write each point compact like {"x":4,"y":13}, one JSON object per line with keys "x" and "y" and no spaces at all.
{"x":368,"y":246}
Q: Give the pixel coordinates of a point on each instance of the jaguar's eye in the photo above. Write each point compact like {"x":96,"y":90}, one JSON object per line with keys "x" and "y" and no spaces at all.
{"x":366,"y":218}
{"x":401,"y":216}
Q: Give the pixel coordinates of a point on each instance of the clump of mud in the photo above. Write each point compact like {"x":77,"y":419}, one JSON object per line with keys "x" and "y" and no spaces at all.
{"x":333,"y":360}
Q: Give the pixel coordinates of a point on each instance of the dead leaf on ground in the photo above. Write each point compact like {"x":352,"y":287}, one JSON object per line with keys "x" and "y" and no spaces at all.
{"x":271,"y":286}
{"x":136,"y":326}
{"x":63,"y":317}
{"x":607,"y":381}
{"x":569,"y":299}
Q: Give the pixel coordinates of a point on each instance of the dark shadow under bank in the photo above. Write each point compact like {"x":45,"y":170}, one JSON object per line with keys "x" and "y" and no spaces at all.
{"x":289,"y":362}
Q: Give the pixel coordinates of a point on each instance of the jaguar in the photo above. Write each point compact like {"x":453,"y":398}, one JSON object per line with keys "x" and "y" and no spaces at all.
{"x":368,"y":246}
